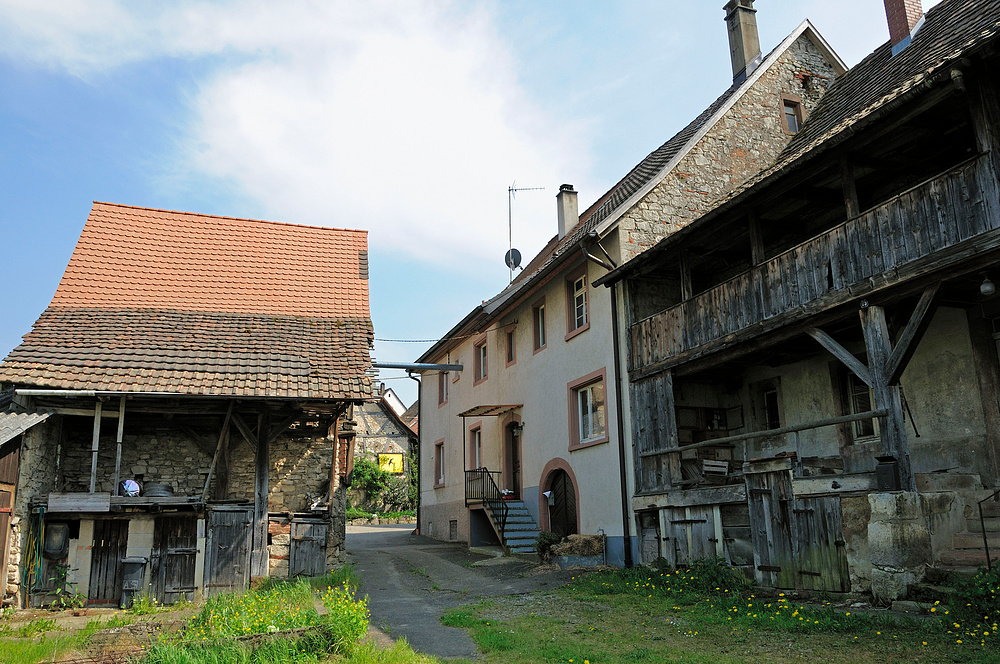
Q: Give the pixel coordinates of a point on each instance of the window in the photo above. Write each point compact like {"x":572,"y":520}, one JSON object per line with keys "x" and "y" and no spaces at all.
{"x":442,"y":388}
{"x":861,"y":400}
{"x":538,"y":326}
{"x":791,"y":109}
{"x":439,"y":463}
{"x":577,"y":304}
{"x":476,"y":447}
{"x":511,"y":346}
{"x":767,"y":404}
{"x":771,"y":411}
{"x":480,"y":361}
{"x":588,"y":412}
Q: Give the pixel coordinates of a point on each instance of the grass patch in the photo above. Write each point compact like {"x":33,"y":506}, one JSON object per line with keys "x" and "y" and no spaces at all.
{"x":705,"y":614}
{"x":271,"y":607}
{"x":47,"y":648}
{"x":336,"y":577}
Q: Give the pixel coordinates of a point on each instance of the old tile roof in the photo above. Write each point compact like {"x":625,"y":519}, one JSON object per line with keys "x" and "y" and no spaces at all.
{"x":159,"y":301}
{"x":15,"y":422}
{"x":951,"y":31}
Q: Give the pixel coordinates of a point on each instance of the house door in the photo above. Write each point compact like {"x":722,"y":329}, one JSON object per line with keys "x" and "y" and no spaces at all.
{"x":110,"y":540}
{"x":307,"y":550}
{"x":512,"y":459}
{"x":562,"y":510}
{"x":227,"y":549}
{"x":175,"y":546}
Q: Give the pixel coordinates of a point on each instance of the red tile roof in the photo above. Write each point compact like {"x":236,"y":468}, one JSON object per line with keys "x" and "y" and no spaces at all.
{"x":131,"y":257}
{"x":158,"y":301}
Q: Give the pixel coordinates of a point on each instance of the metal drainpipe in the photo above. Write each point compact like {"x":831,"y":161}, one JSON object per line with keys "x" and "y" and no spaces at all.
{"x":615,"y":342}
{"x":420,"y":443}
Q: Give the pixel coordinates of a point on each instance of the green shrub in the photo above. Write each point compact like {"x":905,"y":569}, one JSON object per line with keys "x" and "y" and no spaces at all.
{"x":978,"y":597}
{"x":544,"y":543}
{"x":368,"y":477}
{"x":346,"y":617}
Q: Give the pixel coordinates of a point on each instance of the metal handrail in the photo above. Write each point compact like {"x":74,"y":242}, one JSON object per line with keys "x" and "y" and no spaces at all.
{"x":480,"y":487}
{"x":982,"y":525}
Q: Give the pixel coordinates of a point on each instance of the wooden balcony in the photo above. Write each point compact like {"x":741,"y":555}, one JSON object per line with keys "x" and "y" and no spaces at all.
{"x":930,"y":227}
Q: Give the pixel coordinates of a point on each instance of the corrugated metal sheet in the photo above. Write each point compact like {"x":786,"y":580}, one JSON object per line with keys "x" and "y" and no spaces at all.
{"x":13,"y":425}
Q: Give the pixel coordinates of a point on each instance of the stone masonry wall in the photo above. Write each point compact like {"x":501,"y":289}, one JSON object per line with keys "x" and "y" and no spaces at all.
{"x":299,"y":476}
{"x":36,"y":473}
{"x":378,"y":432}
{"x":747,"y":138}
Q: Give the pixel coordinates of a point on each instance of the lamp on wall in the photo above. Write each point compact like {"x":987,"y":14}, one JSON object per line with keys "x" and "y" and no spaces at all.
{"x":515,"y":429}
{"x":551,"y":499}
{"x":987,"y":288}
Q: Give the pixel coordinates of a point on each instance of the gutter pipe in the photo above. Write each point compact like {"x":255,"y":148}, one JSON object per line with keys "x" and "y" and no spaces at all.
{"x":619,"y":405}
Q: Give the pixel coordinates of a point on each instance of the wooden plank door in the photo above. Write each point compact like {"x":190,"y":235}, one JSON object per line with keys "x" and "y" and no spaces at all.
{"x":769,"y":497}
{"x":692,"y":533}
{"x":110,"y":540}
{"x":307,"y":552}
{"x":649,"y":537}
{"x":820,"y":554}
{"x":562,"y":512}
{"x":175,"y":547}
{"x":227,"y":554}
{"x":6,"y":504}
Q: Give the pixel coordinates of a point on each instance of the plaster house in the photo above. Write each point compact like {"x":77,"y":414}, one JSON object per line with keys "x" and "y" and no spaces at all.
{"x":529,"y":435}
{"x":813,"y":364}
{"x":213,"y":362}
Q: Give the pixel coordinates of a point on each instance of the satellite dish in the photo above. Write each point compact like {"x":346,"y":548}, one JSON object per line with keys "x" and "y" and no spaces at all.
{"x":512,"y":259}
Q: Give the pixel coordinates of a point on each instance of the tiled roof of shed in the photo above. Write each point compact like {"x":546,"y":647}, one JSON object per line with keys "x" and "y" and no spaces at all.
{"x":157,"y":301}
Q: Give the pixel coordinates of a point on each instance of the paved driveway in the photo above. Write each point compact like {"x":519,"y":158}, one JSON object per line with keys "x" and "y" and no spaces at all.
{"x":410,"y":580}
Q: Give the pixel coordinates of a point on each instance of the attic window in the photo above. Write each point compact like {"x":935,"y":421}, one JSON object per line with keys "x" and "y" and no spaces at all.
{"x":791,"y":110}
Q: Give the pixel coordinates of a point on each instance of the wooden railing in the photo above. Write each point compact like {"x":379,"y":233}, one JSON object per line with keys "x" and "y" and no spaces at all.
{"x":482,"y":486}
{"x":939,"y":213}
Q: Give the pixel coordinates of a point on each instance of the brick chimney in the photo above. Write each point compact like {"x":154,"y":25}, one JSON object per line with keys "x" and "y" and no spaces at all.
{"x":567,"y":209}
{"x":744,"y":45}
{"x":905,"y":17}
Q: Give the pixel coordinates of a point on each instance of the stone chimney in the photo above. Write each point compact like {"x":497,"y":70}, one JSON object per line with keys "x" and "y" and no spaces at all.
{"x":744,"y":45}
{"x":567,"y":209}
{"x":905,"y":17}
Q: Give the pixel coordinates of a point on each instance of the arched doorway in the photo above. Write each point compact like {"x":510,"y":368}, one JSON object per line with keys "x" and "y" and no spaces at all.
{"x":562,"y":503}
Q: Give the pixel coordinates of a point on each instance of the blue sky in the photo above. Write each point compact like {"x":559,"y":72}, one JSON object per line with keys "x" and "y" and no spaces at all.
{"x":409,"y":119}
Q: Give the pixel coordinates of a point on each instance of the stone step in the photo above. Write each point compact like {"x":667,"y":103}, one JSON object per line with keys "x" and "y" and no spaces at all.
{"x":992,"y":525}
{"x":518,"y":540}
{"x":967,"y":557}
{"x":525,"y":518}
{"x":991,"y":508}
{"x":522,"y":549}
{"x":975,"y":541}
{"x":947,"y":482}
{"x":522,"y":527}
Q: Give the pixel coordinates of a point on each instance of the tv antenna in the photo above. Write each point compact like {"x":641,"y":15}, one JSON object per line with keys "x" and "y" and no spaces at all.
{"x":513,"y":256}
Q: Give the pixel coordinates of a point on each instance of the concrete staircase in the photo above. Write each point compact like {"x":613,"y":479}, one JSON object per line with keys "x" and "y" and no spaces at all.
{"x":521,"y":531}
{"x":968,"y":550}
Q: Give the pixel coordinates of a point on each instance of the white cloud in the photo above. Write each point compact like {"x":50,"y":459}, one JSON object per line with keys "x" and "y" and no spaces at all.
{"x":403,"y":118}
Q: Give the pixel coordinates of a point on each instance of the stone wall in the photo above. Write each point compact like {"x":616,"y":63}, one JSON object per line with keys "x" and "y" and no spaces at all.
{"x":299,"y":475}
{"x":378,"y":431}
{"x":747,"y":138}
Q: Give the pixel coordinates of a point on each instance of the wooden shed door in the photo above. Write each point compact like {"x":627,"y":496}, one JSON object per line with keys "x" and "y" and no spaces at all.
{"x":6,"y":503}
{"x":110,"y":540}
{"x":227,"y":555}
{"x":307,"y":552}
{"x":175,"y":546}
{"x":649,"y":537}
{"x":820,"y":554}
{"x":692,"y":533}
{"x":769,"y":495}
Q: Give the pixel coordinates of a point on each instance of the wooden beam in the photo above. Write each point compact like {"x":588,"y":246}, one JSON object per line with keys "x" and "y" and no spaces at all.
{"x":118,"y":440}
{"x":849,"y":187}
{"x":912,"y":333}
{"x":82,"y":412}
{"x":262,"y":465}
{"x":282,"y":426}
{"x":197,"y":438}
{"x":842,"y":354}
{"x":756,"y":239}
{"x":687,"y":290}
{"x":244,"y":429}
{"x":223,"y":439}
{"x":888,"y":397}
{"x":94,"y":444}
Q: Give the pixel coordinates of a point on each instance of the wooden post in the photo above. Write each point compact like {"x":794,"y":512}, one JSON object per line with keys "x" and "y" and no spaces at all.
{"x":892,"y":431}
{"x":118,"y":439}
{"x":94,"y":446}
{"x":756,"y":239}
{"x":223,"y":442}
{"x":687,"y":290}
{"x":849,"y":188}
{"x":258,"y":555}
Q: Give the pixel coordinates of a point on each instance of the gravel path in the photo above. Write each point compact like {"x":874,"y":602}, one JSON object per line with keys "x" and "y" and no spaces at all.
{"x":410,"y":580}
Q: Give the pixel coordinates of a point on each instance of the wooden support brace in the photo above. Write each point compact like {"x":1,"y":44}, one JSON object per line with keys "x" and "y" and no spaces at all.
{"x":118,"y":439}
{"x":842,"y":354}
{"x":94,"y":444}
{"x":756,"y":240}
{"x":687,"y":289}
{"x":912,"y":333}
{"x":223,"y":440}
{"x":850,"y":189}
